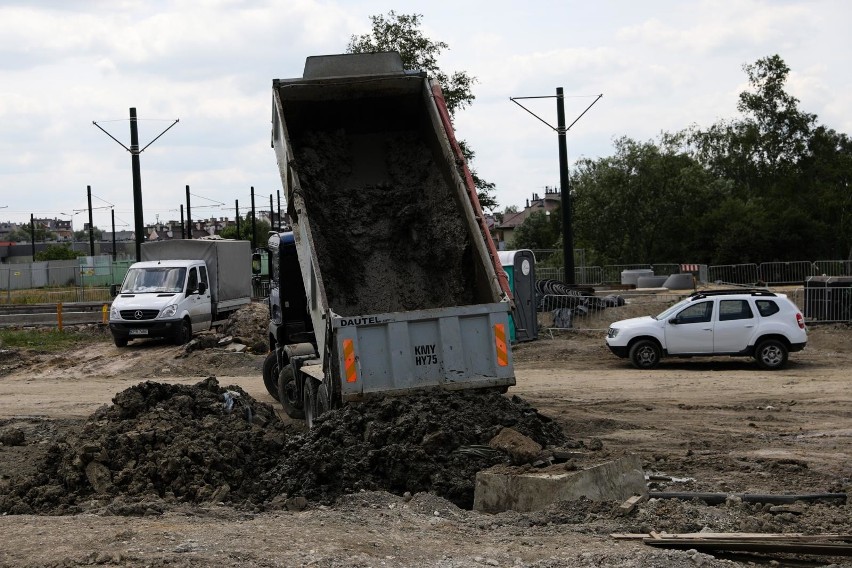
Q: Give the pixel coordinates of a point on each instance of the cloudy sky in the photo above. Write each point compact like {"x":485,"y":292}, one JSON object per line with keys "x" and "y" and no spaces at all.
{"x":661,"y":65}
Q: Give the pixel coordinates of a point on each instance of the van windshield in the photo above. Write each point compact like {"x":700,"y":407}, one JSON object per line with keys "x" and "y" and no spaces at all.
{"x":154,"y":280}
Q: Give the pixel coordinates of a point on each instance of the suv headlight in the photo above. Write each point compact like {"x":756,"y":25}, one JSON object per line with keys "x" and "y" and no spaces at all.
{"x":612,"y":332}
{"x":168,"y":311}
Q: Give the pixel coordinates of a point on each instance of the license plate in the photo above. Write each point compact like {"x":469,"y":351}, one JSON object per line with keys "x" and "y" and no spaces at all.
{"x":138,"y":332}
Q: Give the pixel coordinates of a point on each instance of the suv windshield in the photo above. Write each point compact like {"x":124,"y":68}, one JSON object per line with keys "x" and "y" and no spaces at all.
{"x":672,"y":309}
{"x":154,"y":280}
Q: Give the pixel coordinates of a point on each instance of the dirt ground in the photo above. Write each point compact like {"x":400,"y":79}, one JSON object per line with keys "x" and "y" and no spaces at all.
{"x":710,"y":425}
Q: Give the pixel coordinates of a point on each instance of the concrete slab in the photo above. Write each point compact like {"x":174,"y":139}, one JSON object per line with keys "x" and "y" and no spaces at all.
{"x":501,"y":489}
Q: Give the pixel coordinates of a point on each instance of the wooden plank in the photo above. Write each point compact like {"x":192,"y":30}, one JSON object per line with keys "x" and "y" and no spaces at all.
{"x":792,"y":537}
{"x":630,"y":504}
{"x":819,"y":548}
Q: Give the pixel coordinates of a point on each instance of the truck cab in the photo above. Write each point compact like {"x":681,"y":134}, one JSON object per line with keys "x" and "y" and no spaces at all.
{"x":161,"y":299}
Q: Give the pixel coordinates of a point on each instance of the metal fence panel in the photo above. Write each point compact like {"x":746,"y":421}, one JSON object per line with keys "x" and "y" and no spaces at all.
{"x":786,"y":272}
{"x":578,"y":313}
{"x":586,"y":275}
{"x":746,"y":274}
{"x":833,"y":268}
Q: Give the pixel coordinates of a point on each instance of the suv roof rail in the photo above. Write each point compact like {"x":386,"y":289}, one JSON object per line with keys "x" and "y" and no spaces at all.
{"x":750,"y":291}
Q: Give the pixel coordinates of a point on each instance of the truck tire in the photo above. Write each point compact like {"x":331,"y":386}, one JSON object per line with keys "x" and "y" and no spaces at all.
{"x":288,"y":395}
{"x":270,"y":374}
{"x":120,"y":341}
{"x":323,"y":399}
{"x":645,"y":354}
{"x":309,"y":401}
{"x":771,"y":354}
{"x":183,"y":333}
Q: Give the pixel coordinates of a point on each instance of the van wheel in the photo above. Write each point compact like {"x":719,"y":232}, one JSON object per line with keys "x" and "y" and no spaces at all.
{"x":183,"y":333}
{"x":120,"y":341}
{"x":771,"y":354}
{"x":645,"y":354}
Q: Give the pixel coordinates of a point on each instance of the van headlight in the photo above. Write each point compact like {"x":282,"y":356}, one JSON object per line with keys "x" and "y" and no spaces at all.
{"x":114,"y":313}
{"x":169,"y":311}
{"x":612,"y":332}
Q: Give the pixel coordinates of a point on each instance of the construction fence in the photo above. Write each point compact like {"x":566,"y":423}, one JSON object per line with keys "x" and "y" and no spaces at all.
{"x":747,"y":274}
{"x":596,"y":313}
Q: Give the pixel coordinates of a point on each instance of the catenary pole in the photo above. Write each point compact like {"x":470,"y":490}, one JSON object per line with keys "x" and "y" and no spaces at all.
{"x":91,"y":226}
{"x":138,"y":223}
{"x":253,"y":221}
{"x":564,"y":190}
{"x":188,"y":216}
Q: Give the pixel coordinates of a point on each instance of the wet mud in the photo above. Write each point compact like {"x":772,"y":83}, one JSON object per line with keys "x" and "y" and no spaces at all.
{"x":386,"y":224}
{"x":157,"y":441}
{"x":161,"y":444}
{"x":433,"y":442}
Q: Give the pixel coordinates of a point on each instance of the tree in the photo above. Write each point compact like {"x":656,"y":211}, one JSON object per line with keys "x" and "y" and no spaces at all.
{"x":83,"y":235}
{"x":539,"y":230}
{"x":57,"y":252}
{"x":788,"y":173}
{"x":401,"y":33}
{"x":644,"y":204}
{"x":261,"y":231}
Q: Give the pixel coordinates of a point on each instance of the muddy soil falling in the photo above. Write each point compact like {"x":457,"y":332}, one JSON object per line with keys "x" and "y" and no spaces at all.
{"x":160,"y":444}
{"x":388,"y":231}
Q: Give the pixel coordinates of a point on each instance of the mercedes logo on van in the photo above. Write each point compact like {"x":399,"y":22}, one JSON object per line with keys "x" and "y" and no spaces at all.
{"x":138,"y":314}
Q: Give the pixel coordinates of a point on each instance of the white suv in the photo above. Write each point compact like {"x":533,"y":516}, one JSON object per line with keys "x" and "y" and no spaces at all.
{"x":759,"y":324}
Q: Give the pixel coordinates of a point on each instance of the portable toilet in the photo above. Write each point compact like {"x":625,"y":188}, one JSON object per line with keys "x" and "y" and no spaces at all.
{"x":519,"y":266}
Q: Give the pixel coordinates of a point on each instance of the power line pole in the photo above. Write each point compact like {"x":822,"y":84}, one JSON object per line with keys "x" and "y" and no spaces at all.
{"x":136,"y":172}
{"x":182,"y":233}
{"x":188,"y":215}
{"x":91,"y":227}
{"x":253,"y":217}
{"x":114,"y":252}
{"x":564,"y":191}
{"x":237,"y":206}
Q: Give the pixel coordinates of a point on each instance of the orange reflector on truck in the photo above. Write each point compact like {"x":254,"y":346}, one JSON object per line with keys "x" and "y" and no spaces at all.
{"x":349,"y":360}
{"x":500,"y":343}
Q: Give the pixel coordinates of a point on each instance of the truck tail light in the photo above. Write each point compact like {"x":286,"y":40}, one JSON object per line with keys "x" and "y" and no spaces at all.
{"x":800,"y":320}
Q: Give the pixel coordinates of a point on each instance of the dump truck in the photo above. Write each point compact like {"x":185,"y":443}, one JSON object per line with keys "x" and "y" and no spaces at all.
{"x":388,"y":282}
{"x":180,"y":287}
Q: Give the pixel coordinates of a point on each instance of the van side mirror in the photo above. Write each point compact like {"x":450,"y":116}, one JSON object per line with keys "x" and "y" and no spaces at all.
{"x":255,"y":263}
{"x":113,"y":290}
{"x":202,"y":287}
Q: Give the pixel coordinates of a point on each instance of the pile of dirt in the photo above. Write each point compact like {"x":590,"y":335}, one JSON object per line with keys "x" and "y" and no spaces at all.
{"x":386,"y":224}
{"x":248,"y":325}
{"x":194,"y":444}
{"x":162,"y":443}
{"x":433,"y":442}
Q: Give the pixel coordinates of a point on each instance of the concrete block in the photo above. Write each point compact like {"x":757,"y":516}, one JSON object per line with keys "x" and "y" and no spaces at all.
{"x":501,"y":489}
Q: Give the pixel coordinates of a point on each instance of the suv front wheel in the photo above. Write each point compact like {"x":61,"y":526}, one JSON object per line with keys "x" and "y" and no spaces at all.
{"x":771,"y":354}
{"x":645,"y":354}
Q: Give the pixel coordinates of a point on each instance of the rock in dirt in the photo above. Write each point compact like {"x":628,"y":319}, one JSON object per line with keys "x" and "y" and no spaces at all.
{"x":12,"y":437}
{"x":521,"y":449}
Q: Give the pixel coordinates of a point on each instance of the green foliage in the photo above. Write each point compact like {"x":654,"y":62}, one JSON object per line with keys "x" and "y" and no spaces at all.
{"x":58,"y":252}
{"x":538,"y":231}
{"x":641,"y":204}
{"x":261,"y":231}
{"x":402,"y":33}
{"x":769,"y":185}
{"x":24,"y":235}
{"x":83,"y":235}
{"x":45,"y":340}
